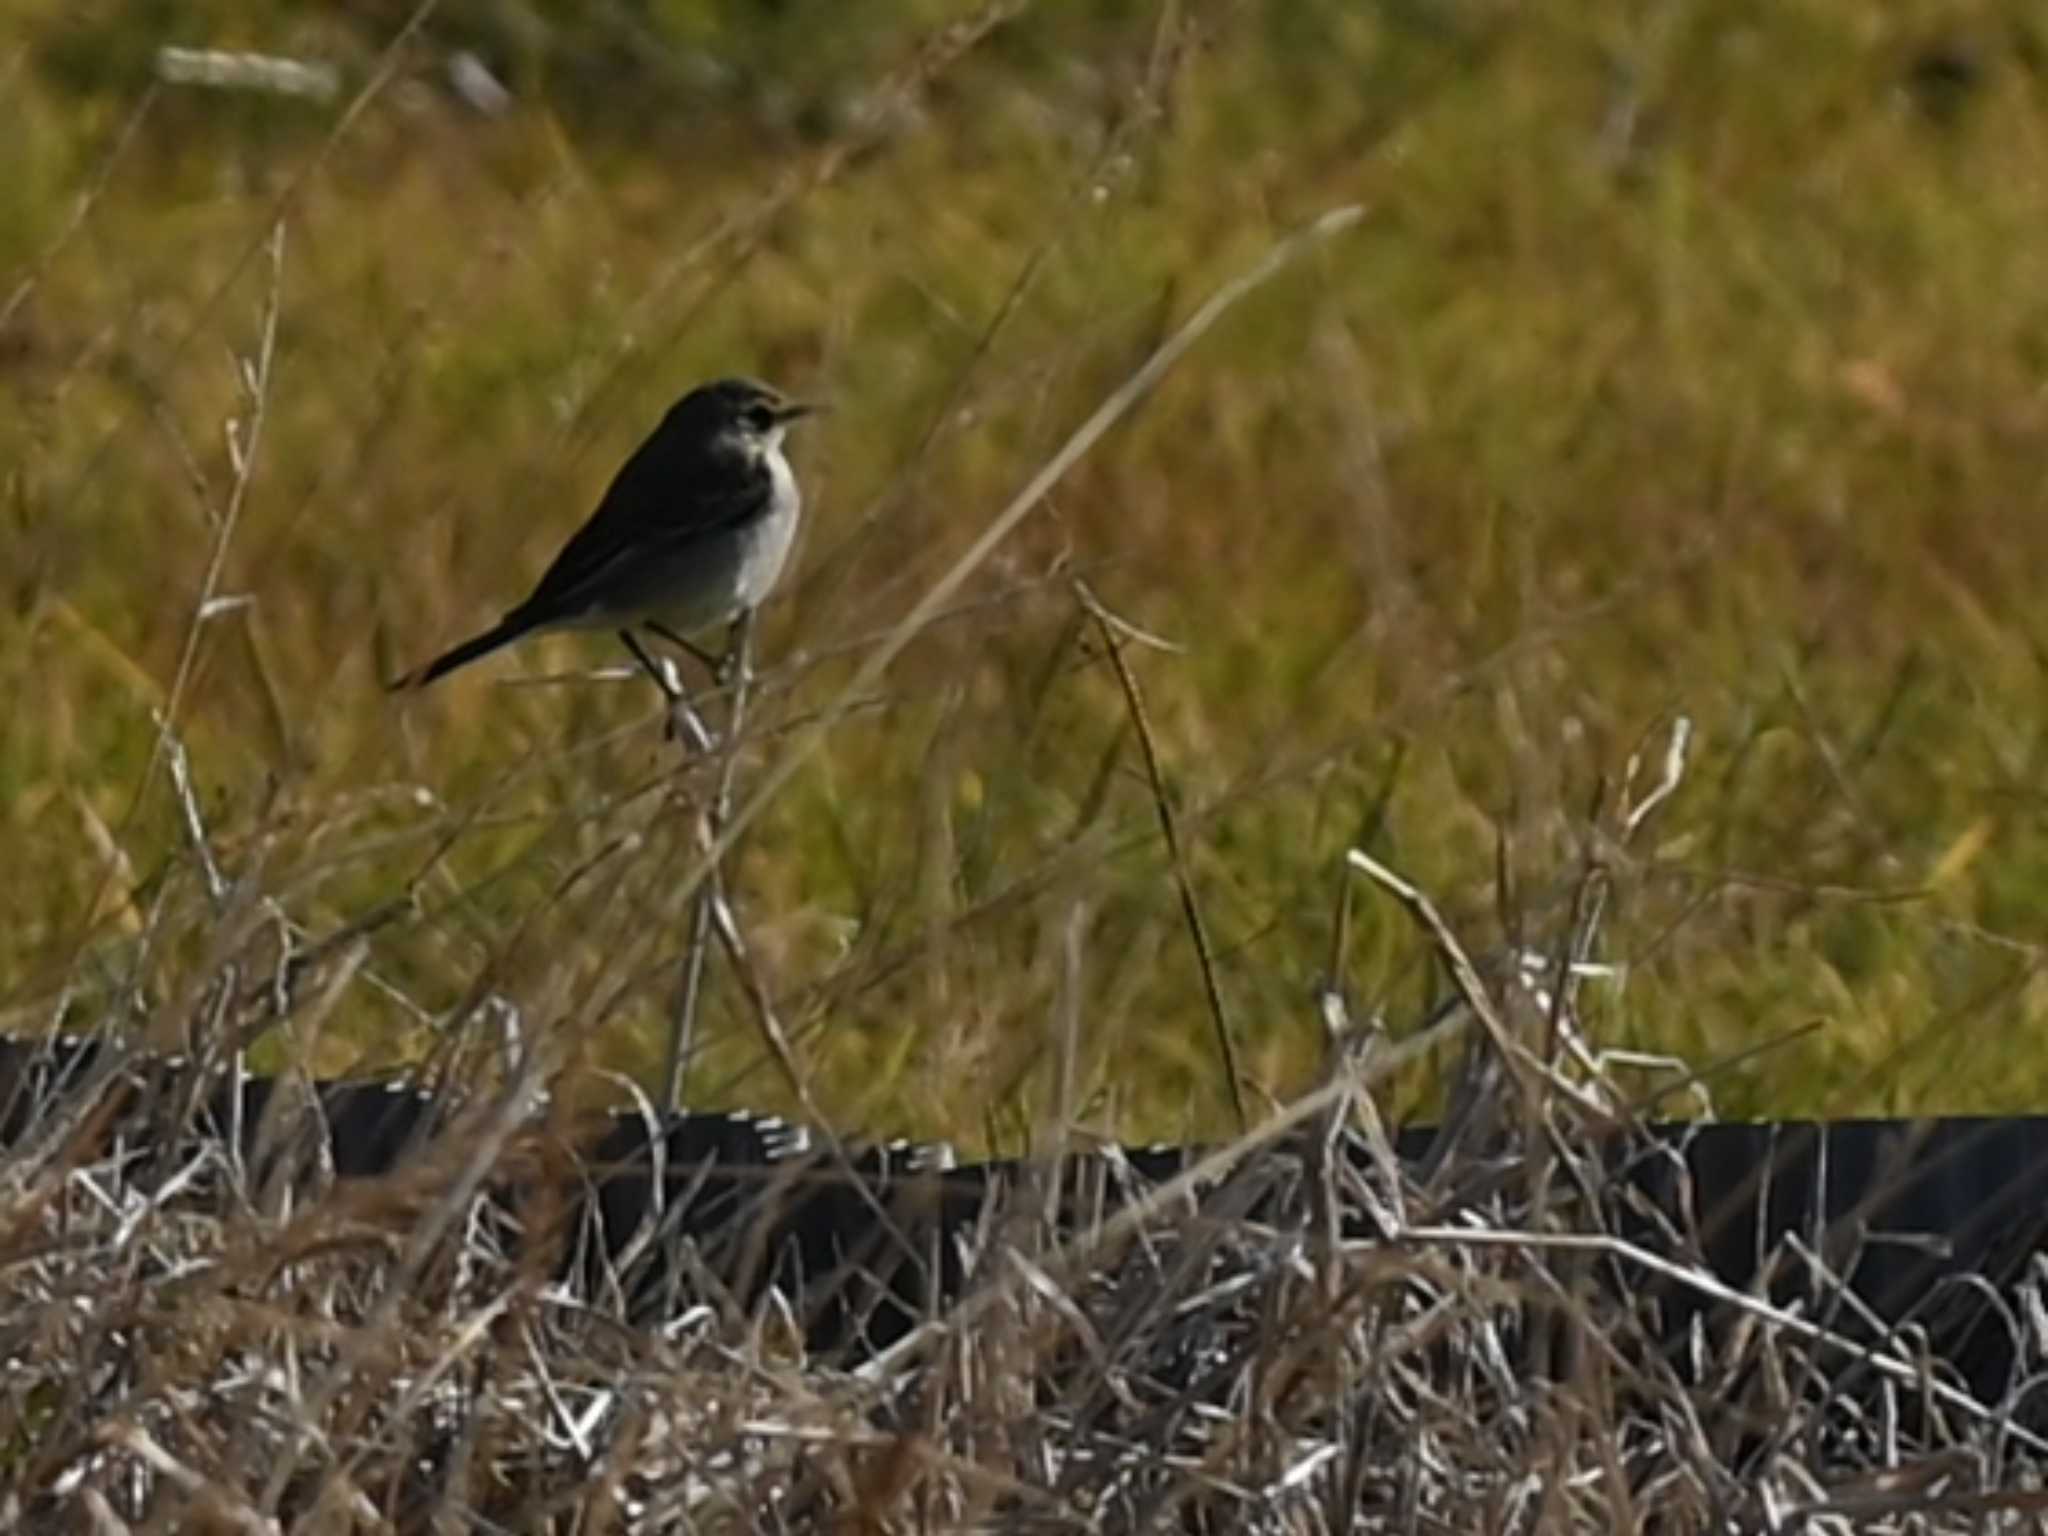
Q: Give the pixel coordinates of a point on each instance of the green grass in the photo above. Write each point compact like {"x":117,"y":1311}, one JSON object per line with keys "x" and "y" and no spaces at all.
{"x":1686,"y":362}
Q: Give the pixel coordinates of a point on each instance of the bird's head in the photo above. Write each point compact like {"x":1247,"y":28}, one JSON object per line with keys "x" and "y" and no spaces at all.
{"x":739,"y":414}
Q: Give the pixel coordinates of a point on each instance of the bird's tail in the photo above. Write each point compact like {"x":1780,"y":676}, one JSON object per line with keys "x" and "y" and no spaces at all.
{"x":503,"y":633}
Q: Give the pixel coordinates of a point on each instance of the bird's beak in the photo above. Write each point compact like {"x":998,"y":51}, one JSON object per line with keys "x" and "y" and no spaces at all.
{"x":796,"y":410}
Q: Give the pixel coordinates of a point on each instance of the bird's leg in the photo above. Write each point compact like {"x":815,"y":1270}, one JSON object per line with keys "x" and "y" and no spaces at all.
{"x":736,"y":672}
{"x":737,"y":664}
{"x":708,"y":661}
{"x":680,"y":712}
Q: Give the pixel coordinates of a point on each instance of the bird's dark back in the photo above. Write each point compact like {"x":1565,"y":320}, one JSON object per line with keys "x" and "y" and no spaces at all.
{"x":689,"y":478}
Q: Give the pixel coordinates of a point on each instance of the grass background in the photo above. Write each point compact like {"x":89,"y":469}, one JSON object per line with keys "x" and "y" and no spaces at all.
{"x":1690,"y":360}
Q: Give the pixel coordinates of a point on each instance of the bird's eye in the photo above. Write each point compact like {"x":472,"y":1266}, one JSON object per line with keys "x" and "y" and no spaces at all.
{"x":760,"y":417}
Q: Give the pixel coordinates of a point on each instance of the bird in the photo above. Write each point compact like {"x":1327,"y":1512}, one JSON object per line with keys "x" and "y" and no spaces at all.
{"x":693,"y":532}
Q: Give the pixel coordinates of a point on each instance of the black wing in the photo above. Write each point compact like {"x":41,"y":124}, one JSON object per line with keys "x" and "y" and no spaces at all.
{"x":669,"y":493}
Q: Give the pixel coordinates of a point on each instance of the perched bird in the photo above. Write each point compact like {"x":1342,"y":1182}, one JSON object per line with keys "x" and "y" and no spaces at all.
{"x":692,"y":532}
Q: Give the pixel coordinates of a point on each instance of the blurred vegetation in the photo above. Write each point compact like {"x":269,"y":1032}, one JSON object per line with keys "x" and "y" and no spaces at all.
{"x":1691,"y":360}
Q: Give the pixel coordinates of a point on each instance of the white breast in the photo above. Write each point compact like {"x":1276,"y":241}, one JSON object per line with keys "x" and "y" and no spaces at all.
{"x":769,"y":541}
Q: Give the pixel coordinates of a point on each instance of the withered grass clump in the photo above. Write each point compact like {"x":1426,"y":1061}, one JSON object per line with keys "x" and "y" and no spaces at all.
{"x":1312,"y":1329}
